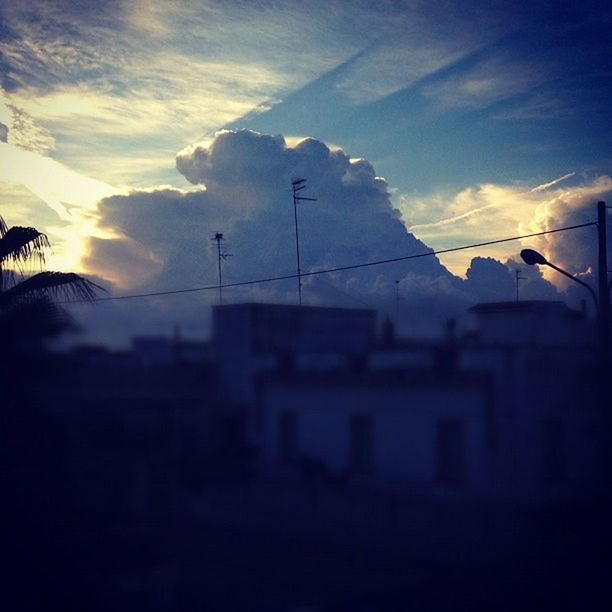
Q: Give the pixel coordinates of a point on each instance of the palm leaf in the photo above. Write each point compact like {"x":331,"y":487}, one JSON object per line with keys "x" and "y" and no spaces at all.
{"x":67,"y":285}
{"x":18,"y":244}
{"x":21,"y":243}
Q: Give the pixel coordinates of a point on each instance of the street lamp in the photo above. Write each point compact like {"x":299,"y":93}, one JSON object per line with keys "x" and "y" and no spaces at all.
{"x":531,"y":257}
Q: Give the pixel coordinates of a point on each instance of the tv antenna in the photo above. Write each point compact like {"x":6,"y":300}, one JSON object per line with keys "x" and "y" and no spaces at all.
{"x":298,"y":184}
{"x":221,"y":255}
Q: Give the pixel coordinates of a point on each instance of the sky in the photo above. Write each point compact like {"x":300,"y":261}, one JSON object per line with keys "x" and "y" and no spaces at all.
{"x":131,"y":131}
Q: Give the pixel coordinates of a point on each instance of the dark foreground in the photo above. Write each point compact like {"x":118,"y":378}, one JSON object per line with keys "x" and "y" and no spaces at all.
{"x":173,"y":561}
{"x":77,"y":535}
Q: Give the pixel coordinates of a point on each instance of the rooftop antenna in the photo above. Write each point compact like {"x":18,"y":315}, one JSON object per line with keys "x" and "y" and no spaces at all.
{"x":221,"y":255}
{"x":297,"y":185}
{"x":518,"y":278}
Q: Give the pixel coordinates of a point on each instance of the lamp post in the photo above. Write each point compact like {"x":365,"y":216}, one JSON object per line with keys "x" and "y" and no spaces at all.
{"x":602,"y":303}
{"x":531,"y":257}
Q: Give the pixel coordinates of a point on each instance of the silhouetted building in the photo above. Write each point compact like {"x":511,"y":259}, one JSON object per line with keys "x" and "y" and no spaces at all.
{"x":406,"y":430}
{"x":135,"y":424}
{"x":508,"y":412}
{"x":250,"y":339}
{"x":549,"y":426}
{"x":534,"y":322}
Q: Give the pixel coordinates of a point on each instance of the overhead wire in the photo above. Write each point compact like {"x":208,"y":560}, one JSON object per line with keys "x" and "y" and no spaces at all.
{"x":367,"y":264}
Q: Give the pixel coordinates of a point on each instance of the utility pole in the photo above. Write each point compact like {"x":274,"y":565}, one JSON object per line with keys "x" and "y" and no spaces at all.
{"x":297,"y":185}
{"x":218,"y":238}
{"x":604,"y":295}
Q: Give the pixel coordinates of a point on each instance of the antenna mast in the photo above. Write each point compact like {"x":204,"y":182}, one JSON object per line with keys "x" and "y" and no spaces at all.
{"x":297,"y":185}
{"x":218,"y":238}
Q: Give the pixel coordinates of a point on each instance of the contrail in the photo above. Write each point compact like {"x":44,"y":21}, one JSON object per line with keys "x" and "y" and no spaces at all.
{"x":448,"y":220}
{"x":474,"y":211}
{"x":545,"y":186}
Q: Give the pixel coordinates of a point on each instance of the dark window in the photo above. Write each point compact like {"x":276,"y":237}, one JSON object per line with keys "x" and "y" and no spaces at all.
{"x":360,"y":447}
{"x":287,"y":437}
{"x":451,"y":463}
{"x":554,"y":460}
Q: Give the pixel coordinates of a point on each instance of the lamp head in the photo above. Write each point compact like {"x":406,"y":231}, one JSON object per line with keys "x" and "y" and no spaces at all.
{"x":531,"y":257}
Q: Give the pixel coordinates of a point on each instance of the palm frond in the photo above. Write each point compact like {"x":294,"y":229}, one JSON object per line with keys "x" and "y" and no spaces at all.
{"x":3,"y":227}
{"x":20,"y":243}
{"x":67,"y":285}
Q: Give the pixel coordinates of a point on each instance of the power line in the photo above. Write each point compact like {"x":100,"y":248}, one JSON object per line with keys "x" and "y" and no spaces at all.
{"x":378,"y":262}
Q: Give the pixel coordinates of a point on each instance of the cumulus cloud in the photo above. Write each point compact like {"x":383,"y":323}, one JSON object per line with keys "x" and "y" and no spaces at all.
{"x":574,"y":251}
{"x":489,"y":279}
{"x":161,"y":239}
{"x":247,"y":195}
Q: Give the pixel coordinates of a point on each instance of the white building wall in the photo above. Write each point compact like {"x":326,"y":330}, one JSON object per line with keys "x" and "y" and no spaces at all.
{"x":404,"y":435}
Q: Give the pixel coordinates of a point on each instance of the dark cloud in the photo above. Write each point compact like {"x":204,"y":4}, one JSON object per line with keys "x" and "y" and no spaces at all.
{"x":532,"y":286}
{"x":489,"y":280}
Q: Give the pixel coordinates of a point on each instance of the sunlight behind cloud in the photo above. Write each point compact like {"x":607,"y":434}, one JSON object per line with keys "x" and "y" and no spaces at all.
{"x":50,"y":180}
{"x":66,"y":192}
{"x":490,"y":212}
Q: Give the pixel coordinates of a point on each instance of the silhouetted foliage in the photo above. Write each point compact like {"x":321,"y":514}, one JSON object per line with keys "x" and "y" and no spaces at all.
{"x":28,"y":309}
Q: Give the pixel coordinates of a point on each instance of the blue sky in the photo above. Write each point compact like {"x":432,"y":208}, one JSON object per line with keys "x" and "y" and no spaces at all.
{"x":485,"y":119}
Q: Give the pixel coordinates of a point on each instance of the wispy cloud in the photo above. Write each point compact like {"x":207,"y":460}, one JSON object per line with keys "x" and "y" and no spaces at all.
{"x":145,"y":78}
{"x":395,"y":64}
{"x":497,"y":78}
{"x":496,"y":193}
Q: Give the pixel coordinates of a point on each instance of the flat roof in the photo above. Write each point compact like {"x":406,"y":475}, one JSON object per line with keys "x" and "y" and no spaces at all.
{"x":520,"y":306}
{"x":265,"y":306}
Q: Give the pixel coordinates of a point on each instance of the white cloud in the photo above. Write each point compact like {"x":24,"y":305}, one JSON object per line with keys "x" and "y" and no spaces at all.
{"x":160,"y":239}
{"x":489,"y":81}
{"x":489,"y":212}
{"x":246,"y":194}
{"x":575,"y":251}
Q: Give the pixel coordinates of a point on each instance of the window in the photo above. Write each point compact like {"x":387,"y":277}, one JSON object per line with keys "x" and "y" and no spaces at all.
{"x":451,"y":462}
{"x":360,"y":444}
{"x":287,"y":437}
